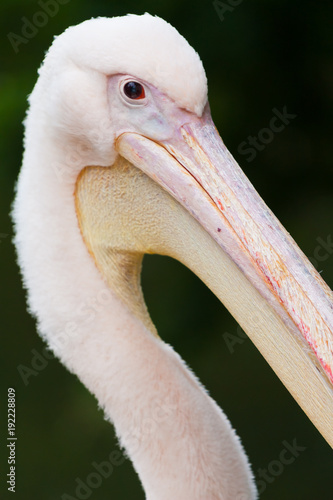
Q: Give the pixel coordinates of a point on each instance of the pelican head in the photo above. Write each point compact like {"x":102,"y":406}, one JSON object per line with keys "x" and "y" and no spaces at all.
{"x":121,"y":159}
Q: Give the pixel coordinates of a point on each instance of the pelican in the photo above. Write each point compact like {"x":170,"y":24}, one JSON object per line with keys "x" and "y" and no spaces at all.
{"x":122,"y":159}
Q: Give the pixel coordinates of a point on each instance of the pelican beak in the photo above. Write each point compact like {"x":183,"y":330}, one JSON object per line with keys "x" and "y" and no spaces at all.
{"x":296,"y":334}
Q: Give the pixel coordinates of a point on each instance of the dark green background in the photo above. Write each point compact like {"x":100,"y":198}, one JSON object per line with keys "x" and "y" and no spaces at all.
{"x":263,"y":55}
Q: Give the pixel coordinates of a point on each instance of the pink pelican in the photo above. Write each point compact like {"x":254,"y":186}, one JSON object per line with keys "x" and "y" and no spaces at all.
{"x":121,"y":159}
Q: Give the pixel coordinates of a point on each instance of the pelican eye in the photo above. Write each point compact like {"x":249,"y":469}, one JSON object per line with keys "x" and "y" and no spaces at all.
{"x":134,"y":90}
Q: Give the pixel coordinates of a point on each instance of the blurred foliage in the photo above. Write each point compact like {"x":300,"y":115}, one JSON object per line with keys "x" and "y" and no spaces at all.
{"x":263,"y":55}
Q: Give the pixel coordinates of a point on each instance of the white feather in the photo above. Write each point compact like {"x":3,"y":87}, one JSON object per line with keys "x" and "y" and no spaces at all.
{"x":180,"y":442}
